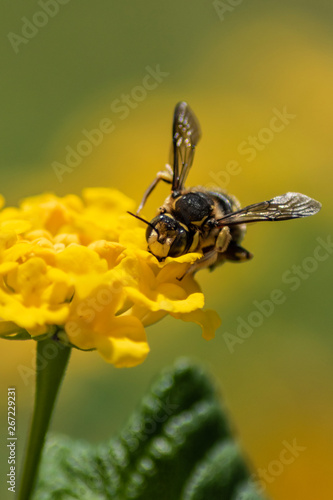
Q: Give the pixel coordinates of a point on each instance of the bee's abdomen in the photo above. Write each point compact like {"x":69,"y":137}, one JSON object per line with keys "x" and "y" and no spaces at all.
{"x":225,"y":203}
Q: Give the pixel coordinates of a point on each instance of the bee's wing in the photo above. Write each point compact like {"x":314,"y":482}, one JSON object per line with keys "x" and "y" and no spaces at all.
{"x":286,"y":206}
{"x":185,"y":136}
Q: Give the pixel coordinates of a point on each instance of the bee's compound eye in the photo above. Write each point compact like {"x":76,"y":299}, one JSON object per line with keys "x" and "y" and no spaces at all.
{"x":151,"y":229}
{"x":165,"y":236}
{"x":179,"y":244}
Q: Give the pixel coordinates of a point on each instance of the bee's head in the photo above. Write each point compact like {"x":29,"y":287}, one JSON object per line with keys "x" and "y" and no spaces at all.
{"x":167,"y":237}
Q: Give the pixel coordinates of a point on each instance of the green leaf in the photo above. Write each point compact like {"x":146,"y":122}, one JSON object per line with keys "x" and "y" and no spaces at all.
{"x":177,"y":445}
{"x":247,"y":491}
{"x":217,"y":474}
{"x":11,"y":331}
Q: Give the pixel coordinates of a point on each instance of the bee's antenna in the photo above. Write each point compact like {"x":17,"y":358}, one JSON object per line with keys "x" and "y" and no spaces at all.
{"x":145,"y":221}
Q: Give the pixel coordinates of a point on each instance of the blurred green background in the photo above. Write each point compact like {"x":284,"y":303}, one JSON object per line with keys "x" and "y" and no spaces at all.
{"x":235,"y":63}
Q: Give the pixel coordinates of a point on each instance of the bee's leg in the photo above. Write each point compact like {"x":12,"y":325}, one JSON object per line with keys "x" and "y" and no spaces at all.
{"x":207,"y":260}
{"x":163,"y":175}
{"x":223,"y":239}
{"x":237,"y":253}
{"x":210,"y":257}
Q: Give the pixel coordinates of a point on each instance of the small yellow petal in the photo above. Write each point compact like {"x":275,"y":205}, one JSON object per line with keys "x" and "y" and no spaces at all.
{"x":169,"y":297}
{"x":17,"y":226}
{"x":78,"y":259}
{"x":29,"y":278}
{"x":134,"y":237}
{"x":209,"y":321}
{"x":6,"y":267}
{"x":108,"y":198}
{"x":31,"y":316}
{"x":188,"y":258}
{"x":127,"y":344}
{"x":108,"y":250}
{"x":123,"y":353}
{"x":16,"y":252}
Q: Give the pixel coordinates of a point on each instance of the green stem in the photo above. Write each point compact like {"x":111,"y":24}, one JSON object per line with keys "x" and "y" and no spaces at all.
{"x":51,"y":361}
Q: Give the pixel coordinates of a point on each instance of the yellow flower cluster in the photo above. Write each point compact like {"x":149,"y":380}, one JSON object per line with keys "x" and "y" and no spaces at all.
{"x":80,"y":266}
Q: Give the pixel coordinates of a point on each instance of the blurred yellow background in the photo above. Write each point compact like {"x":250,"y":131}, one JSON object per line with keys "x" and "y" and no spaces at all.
{"x":238,"y":64}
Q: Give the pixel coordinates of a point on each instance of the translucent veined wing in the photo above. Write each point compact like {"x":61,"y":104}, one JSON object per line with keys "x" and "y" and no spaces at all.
{"x":283,"y":207}
{"x":185,"y":136}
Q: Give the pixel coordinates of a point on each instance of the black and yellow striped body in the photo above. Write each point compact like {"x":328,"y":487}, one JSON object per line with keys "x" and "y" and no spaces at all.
{"x":187,"y":222}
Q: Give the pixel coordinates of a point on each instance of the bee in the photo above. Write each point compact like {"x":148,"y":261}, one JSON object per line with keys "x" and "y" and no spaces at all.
{"x":197,"y":219}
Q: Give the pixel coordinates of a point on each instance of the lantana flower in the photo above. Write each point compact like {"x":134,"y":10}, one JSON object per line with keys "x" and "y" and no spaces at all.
{"x":79,"y":269}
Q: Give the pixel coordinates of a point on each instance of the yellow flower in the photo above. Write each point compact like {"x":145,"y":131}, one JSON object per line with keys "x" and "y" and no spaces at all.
{"x":79,"y":269}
